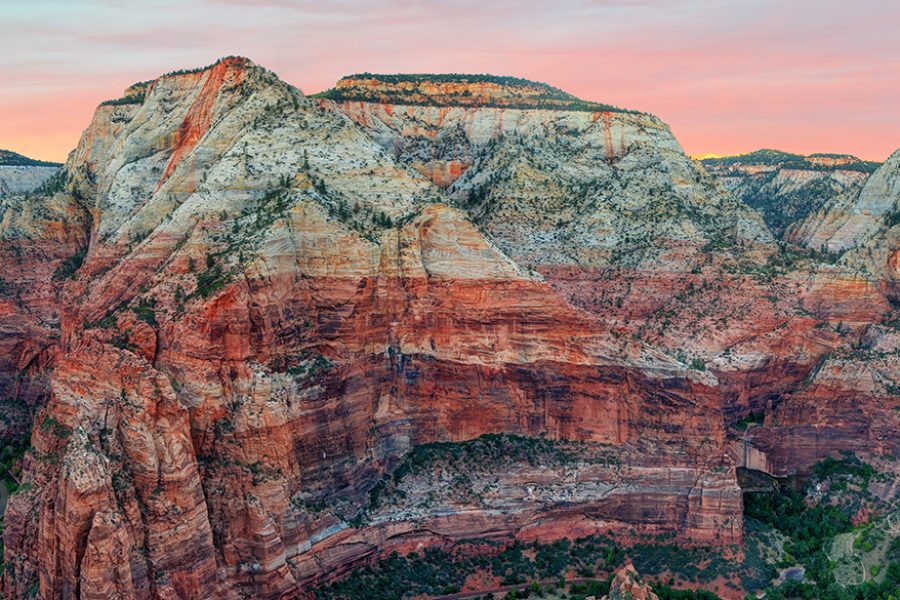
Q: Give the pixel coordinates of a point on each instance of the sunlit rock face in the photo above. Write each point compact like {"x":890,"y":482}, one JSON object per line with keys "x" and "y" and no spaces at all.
{"x":787,"y":188}
{"x":271,"y":311}
{"x":604,"y":205}
{"x":627,"y":585}
{"x":582,"y":186}
{"x":247,"y":307}
{"x":851,"y":221}
{"x":18,"y":180}
{"x":21,"y":175}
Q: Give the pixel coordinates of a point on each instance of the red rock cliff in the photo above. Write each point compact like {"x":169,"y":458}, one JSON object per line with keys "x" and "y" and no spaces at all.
{"x":272,"y":311}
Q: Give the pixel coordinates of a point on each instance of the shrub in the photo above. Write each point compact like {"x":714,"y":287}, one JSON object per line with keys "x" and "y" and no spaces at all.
{"x":133,"y":99}
{"x":144,"y":310}
{"x":69,"y":266}
{"x":211,"y":280}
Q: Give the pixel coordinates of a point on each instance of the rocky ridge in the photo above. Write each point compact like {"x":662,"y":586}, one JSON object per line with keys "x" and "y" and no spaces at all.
{"x":786,"y":188}
{"x":20,"y":174}
{"x":265,"y":304}
{"x":457,"y":90}
{"x":627,"y":585}
{"x":863,"y":228}
{"x":269,"y":313}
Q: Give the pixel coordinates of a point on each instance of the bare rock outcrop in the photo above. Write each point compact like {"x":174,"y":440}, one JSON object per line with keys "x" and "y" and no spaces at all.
{"x":271,"y":312}
{"x":264,"y":303}
{"x":627,"y":585}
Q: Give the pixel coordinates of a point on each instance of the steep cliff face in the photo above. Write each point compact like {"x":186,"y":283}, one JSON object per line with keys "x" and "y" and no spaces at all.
{"x":15,"y":180}
{"x":850,"y":399}
{"x":574,"y":187}
{"x":272,"y":311}
{"x":41,"y":241}
{"x":852,"y":221}
{"x":610,"y":212}
{"x":20,"y":174}
{"x":249,"y":312}
{"x":604,"y":205}
{"x":786,"y":188}
{"x":608,"y":209}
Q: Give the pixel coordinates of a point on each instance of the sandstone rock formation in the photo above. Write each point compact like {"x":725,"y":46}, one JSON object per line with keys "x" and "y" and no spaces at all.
{"x":565,"y":188}
{"x":786,"y":188}
{"x":41,"y":241}
{"x":850,"y":221}
{"x":271,"y":311}
{"x":606,"y":207}
{"x":20,"y":174}
{"x":627,"y":585}
{"x":247,"y":308}
{"x":457,"y":90}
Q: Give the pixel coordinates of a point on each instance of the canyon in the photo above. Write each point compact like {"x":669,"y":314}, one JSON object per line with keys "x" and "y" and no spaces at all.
{"x":241,"y":314}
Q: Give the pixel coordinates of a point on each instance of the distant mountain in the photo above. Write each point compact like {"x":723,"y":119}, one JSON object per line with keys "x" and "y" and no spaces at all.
{"x":456,"y":89}
{"x":784,"y":188}
{"x":787,"y":160}
{"x":14,"y":159}
{"x":22,"y":175}
{"x":554,"y":185}
{"x":864,"y":225}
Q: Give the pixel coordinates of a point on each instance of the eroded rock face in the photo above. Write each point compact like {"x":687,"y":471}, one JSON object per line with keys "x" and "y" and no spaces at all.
{"x":577,"y":188}
{"x":21,"y":175}
{"x":848,"y":403}
{"x":839,"y":207}
{"x":627,"y":585}
{"x":41,"y":244}
{"x":15,"y":180}
{"x":273,"y":310}
{"x":787,"y":188}
{"x":606,"y":207}
{"x":851,"y":221}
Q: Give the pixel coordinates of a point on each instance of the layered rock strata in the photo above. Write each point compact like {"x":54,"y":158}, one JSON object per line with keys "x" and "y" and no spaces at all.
{"x":271,"y":311}
{"x":250,"y":309}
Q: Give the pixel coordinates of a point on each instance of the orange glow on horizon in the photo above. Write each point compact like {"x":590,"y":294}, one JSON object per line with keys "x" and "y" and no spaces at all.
{"x":728,"y":78}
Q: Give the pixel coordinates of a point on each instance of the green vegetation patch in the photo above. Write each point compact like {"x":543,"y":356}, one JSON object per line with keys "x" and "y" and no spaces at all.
{"x":54,"y":184}
{"x":212,"y":280}
{"x":309,"y":365}
{"x":488,"y":453}
{"x":145,"y":310}
{"x":132,"y":99}
{"x":68,"y":267}
{"x":538,"y":570}
{"x":821,"y":536}
{"x":11,"y":473}
{"x":436,"y":571}
{"x":504,"y":80}
{"x":11,"y":463}
{"x":14,"y":159}
{"x":787,"y":160}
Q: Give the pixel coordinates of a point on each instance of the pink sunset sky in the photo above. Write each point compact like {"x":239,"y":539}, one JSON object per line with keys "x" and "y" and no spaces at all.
{"x":728,"y":76}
